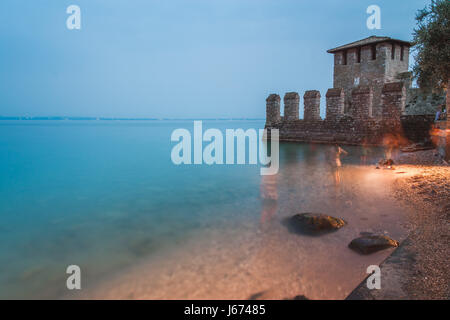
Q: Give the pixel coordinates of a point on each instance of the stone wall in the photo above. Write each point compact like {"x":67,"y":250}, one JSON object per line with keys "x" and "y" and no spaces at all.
{"x":362,"y":98}
{"x":369,"y":72}
{"x":291,"y":106}
{"x":312,"y":105}
{"x":335,"y":103}
{"x":358,"y":128}
{"x":417,"y":128}
{"x":273,"y":110}
{"x":393,"y":98}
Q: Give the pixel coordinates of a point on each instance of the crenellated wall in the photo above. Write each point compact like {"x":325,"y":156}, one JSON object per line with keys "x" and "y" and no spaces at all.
{"x":312,"y":105}
{"x":359,"y":127}
{"x":362,"y":98}
{"x":335,"y":103}
{"x":273,"y":110}
{"x":291,"y":106}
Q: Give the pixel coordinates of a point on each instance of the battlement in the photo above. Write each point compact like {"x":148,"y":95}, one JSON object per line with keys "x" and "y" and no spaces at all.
{"x":354,"y":127}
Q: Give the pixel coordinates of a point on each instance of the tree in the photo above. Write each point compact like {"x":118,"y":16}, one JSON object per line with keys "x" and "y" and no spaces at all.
{"x":432,"y":46}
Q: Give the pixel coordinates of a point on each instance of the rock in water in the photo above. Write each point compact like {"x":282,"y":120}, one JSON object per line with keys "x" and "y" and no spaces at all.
{"x":314,"y":223}
{"x":372,"y":243}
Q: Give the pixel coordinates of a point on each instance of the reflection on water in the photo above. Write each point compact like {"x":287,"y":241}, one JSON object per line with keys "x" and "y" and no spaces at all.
{"x":269,"y":198}
{"x":107,"y":198}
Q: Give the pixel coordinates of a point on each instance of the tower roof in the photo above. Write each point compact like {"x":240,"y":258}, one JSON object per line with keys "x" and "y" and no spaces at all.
{"x":368,"y":41}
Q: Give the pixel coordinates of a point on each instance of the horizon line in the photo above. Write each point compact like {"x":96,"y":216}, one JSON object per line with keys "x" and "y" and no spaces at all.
{"x":80,"y":118}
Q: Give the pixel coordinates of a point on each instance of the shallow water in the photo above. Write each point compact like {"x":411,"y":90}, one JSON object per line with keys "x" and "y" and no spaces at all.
{"x":106,"y":196}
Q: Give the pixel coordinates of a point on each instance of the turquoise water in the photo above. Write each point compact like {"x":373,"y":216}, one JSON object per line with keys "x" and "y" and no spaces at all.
{"x":104,"y":195}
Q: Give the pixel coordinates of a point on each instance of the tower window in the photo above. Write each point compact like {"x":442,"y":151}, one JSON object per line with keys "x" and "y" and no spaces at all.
{"x":344,"y":57}
{"x":358,"y":55}
{"x":374,"y":52}
{"x":393,"y":52}
{"x":401,"y":53}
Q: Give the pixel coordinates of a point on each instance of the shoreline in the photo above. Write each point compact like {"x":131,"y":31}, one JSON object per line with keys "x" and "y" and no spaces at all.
{"x":418,"y":268}
{"x":266,"y":262}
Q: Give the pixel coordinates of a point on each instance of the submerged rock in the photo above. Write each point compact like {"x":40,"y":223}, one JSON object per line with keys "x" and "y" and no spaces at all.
{"x":368,"y":244}
{"x":314,"y":223}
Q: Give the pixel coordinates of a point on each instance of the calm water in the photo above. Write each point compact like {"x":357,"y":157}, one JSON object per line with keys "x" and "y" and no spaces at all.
{"x":106,"y":196}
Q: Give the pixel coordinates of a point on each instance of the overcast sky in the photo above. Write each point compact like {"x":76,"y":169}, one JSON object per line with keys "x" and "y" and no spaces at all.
{"x":167,"y":58}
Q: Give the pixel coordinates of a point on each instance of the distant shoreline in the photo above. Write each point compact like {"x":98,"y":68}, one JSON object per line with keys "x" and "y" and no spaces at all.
{"x":57,"y":118}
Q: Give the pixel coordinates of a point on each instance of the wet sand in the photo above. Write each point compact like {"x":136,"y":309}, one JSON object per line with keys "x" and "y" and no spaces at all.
{"x":261,"y":259}
{"x":419,"y":268}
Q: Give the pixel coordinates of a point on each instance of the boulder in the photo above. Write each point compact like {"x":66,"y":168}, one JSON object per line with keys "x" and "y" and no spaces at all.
{"x":314,"y":223}
{"x":368,"y":244}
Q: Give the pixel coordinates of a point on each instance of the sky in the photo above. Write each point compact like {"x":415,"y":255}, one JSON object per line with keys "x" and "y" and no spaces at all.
{"x":177,"y":59}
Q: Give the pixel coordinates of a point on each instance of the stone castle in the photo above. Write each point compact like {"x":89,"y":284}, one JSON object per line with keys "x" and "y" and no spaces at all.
{"x":371,"y":87}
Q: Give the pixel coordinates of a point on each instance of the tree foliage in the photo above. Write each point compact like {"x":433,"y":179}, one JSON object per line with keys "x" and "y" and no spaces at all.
{"x":432,"y":45}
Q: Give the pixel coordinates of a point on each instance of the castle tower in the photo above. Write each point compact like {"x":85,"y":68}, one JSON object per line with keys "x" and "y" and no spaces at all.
{"x":370,"y":62}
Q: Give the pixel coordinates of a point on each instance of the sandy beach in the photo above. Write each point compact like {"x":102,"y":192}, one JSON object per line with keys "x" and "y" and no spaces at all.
{"x":419,"y":268}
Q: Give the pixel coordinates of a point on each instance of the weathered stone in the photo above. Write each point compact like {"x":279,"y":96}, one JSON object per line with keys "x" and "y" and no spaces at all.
{"x":393,"y":100}
{"x":335,"y":103}
{"x":366,"y":103}
{"x":312,"y":105}
{"x":362,"y":103}
{"x":314,"y":223}
{"x":273,"y":110}
{"x":368,"y":244}
{"x":369,"y":62}
{"x":291,"y":106}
